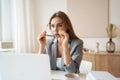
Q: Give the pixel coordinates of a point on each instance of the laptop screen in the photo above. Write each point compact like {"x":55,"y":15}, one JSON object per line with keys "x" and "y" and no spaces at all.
{"x":24,"y":66}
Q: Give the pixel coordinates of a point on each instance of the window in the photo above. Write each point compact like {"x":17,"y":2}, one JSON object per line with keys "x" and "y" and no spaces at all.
{"x":6,"y":21}
{"x":0,"y":23}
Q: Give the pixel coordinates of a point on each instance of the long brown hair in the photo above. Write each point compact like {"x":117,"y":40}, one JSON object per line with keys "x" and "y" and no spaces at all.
{"x":67,"y":23}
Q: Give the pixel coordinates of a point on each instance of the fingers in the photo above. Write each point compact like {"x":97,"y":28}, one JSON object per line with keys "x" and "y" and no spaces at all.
{"x":41,"y":36}
{"x":63,"y":34}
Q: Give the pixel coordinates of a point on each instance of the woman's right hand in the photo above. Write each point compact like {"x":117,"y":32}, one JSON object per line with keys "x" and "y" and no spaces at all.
{"x":42,"y":40}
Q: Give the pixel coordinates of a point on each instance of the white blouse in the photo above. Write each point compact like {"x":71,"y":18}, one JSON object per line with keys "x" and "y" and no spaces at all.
{"x":58,"y":63}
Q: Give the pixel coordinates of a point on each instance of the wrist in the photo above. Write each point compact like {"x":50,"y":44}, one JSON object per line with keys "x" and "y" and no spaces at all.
{"x":41,"y":49}
{"x":65,"y":46}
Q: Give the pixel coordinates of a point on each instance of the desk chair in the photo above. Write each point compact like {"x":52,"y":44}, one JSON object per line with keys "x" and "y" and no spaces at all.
{"x":85,"y":67}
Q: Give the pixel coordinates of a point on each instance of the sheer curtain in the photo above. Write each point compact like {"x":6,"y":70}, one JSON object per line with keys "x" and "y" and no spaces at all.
{"x":24,"y":37}
{"x":26,"y":19}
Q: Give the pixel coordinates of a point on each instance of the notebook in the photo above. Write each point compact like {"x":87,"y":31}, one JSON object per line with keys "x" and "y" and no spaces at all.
{"x":24,"y":66}
{"x":100,"y":75}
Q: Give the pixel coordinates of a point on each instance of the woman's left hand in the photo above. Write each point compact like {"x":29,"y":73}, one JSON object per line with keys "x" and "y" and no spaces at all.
{"x":64,"y":36}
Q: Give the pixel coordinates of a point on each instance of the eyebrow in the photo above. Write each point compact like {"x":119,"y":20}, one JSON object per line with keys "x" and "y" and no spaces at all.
{"x":57,"y":23}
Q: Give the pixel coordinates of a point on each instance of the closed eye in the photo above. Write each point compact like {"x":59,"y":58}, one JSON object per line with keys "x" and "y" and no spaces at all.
{"x":52,"y":26}
{"x":59,"y":25}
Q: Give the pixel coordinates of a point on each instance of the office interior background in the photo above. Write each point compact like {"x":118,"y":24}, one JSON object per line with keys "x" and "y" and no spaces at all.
{"x":22,"y":20}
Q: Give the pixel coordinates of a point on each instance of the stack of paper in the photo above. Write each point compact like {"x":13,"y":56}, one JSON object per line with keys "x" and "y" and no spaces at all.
{"x":100,"y":75}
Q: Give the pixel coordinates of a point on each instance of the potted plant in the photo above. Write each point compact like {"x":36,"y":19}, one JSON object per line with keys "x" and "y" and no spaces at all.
{"x":111,"y":31}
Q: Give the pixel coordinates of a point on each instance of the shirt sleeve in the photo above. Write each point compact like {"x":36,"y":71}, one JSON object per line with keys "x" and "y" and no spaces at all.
{"x":73,"y":66}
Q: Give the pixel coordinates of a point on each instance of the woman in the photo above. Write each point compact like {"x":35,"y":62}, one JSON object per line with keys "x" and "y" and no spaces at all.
{"x":65,"y":48}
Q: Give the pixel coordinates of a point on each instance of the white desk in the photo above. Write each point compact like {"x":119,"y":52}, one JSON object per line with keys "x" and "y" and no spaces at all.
{"x":60,"y":75}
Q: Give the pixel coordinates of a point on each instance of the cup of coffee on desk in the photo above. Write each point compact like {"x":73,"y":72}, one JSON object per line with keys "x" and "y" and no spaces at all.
{"x":72,"y":76}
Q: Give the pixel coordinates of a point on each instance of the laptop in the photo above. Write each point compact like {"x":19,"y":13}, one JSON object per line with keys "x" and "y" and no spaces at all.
{"x":24,"y":66}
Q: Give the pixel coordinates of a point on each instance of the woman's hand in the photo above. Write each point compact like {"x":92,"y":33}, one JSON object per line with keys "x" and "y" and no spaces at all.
{"x":64,"y":37}
{"x":42,"y":41}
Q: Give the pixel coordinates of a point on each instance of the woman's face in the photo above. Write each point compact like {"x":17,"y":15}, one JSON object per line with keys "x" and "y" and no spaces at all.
{"x":56,"y":25}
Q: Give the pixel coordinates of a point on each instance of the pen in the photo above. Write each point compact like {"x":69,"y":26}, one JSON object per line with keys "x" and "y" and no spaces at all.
{"x":49,"y":35}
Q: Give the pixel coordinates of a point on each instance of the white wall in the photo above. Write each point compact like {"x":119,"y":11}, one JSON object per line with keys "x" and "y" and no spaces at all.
{"x":90,"y":43}
{"x":89,"y":17}
{"x":114,"y":15}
